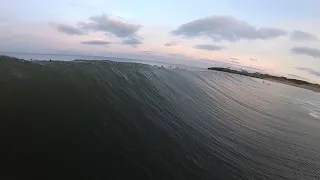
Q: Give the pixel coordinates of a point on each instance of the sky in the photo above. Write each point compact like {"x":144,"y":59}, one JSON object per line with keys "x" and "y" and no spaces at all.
{"x":280,"y":37}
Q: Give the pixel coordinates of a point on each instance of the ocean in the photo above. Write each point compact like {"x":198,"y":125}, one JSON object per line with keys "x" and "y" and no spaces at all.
{"x":99,"y":119}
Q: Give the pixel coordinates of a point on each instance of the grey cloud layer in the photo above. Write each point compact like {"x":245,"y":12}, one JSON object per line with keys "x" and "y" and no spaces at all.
{"x":303,"y":36}
{"x":209,"y":47}
{"x":217,"y":28}
{"x":68,"y":29}
{"x":306,"y":51}
{"x":177,"y":55}
{"x":173,"y":43}
{"x":226,"y":28}
{"x":104,"y":24}
{"x":148,"y":52}
{"x":311,"y":71}
{"x":110,"y":25}
{"x":96,"y":42}
{"x":131,"y":41}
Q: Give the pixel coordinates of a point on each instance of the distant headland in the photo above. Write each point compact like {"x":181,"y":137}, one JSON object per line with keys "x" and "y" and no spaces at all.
{"x":284,"y":80}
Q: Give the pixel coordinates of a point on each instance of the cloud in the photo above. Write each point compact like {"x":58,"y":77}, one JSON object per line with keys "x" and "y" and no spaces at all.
{"x":306,"y":51}
{"x":235,"y":62}
{"x":148,"y":52}
{"x":303,"y":36}
{"x":178,"y":55}
{"x":253,"y":59}
{"x":226,"y":28}
{"x":110,"y":25}
{"x":96,"y":42}
{"x":174,"y":54}
{"x":234,"y":59}
{"x":209,"y":47}
{"x":103,"y":23}
{"x":309,"y":70}
{"x":68,"y":29}
{"x":173,"y":43}
{"x":131,"y":41}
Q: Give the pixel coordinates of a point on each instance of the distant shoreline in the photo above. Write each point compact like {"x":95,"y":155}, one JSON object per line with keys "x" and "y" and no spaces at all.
{"x":284,"y":80}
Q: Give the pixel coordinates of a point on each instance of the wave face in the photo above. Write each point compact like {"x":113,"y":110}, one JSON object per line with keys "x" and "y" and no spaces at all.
{"x":111,"y":120}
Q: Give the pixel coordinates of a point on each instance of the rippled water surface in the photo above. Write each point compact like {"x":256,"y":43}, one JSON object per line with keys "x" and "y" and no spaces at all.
{"x":102,"y":119}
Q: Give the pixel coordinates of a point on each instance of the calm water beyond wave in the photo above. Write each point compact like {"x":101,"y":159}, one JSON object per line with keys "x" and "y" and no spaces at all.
{"x":116,"y":120}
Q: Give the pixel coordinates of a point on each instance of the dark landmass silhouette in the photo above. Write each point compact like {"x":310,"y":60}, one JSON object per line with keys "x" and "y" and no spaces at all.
{"x":282,"y":79}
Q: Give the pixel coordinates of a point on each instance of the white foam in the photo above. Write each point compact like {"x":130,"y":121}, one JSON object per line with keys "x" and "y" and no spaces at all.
{"x":315,"y":115}
{"x":312,"y":106}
